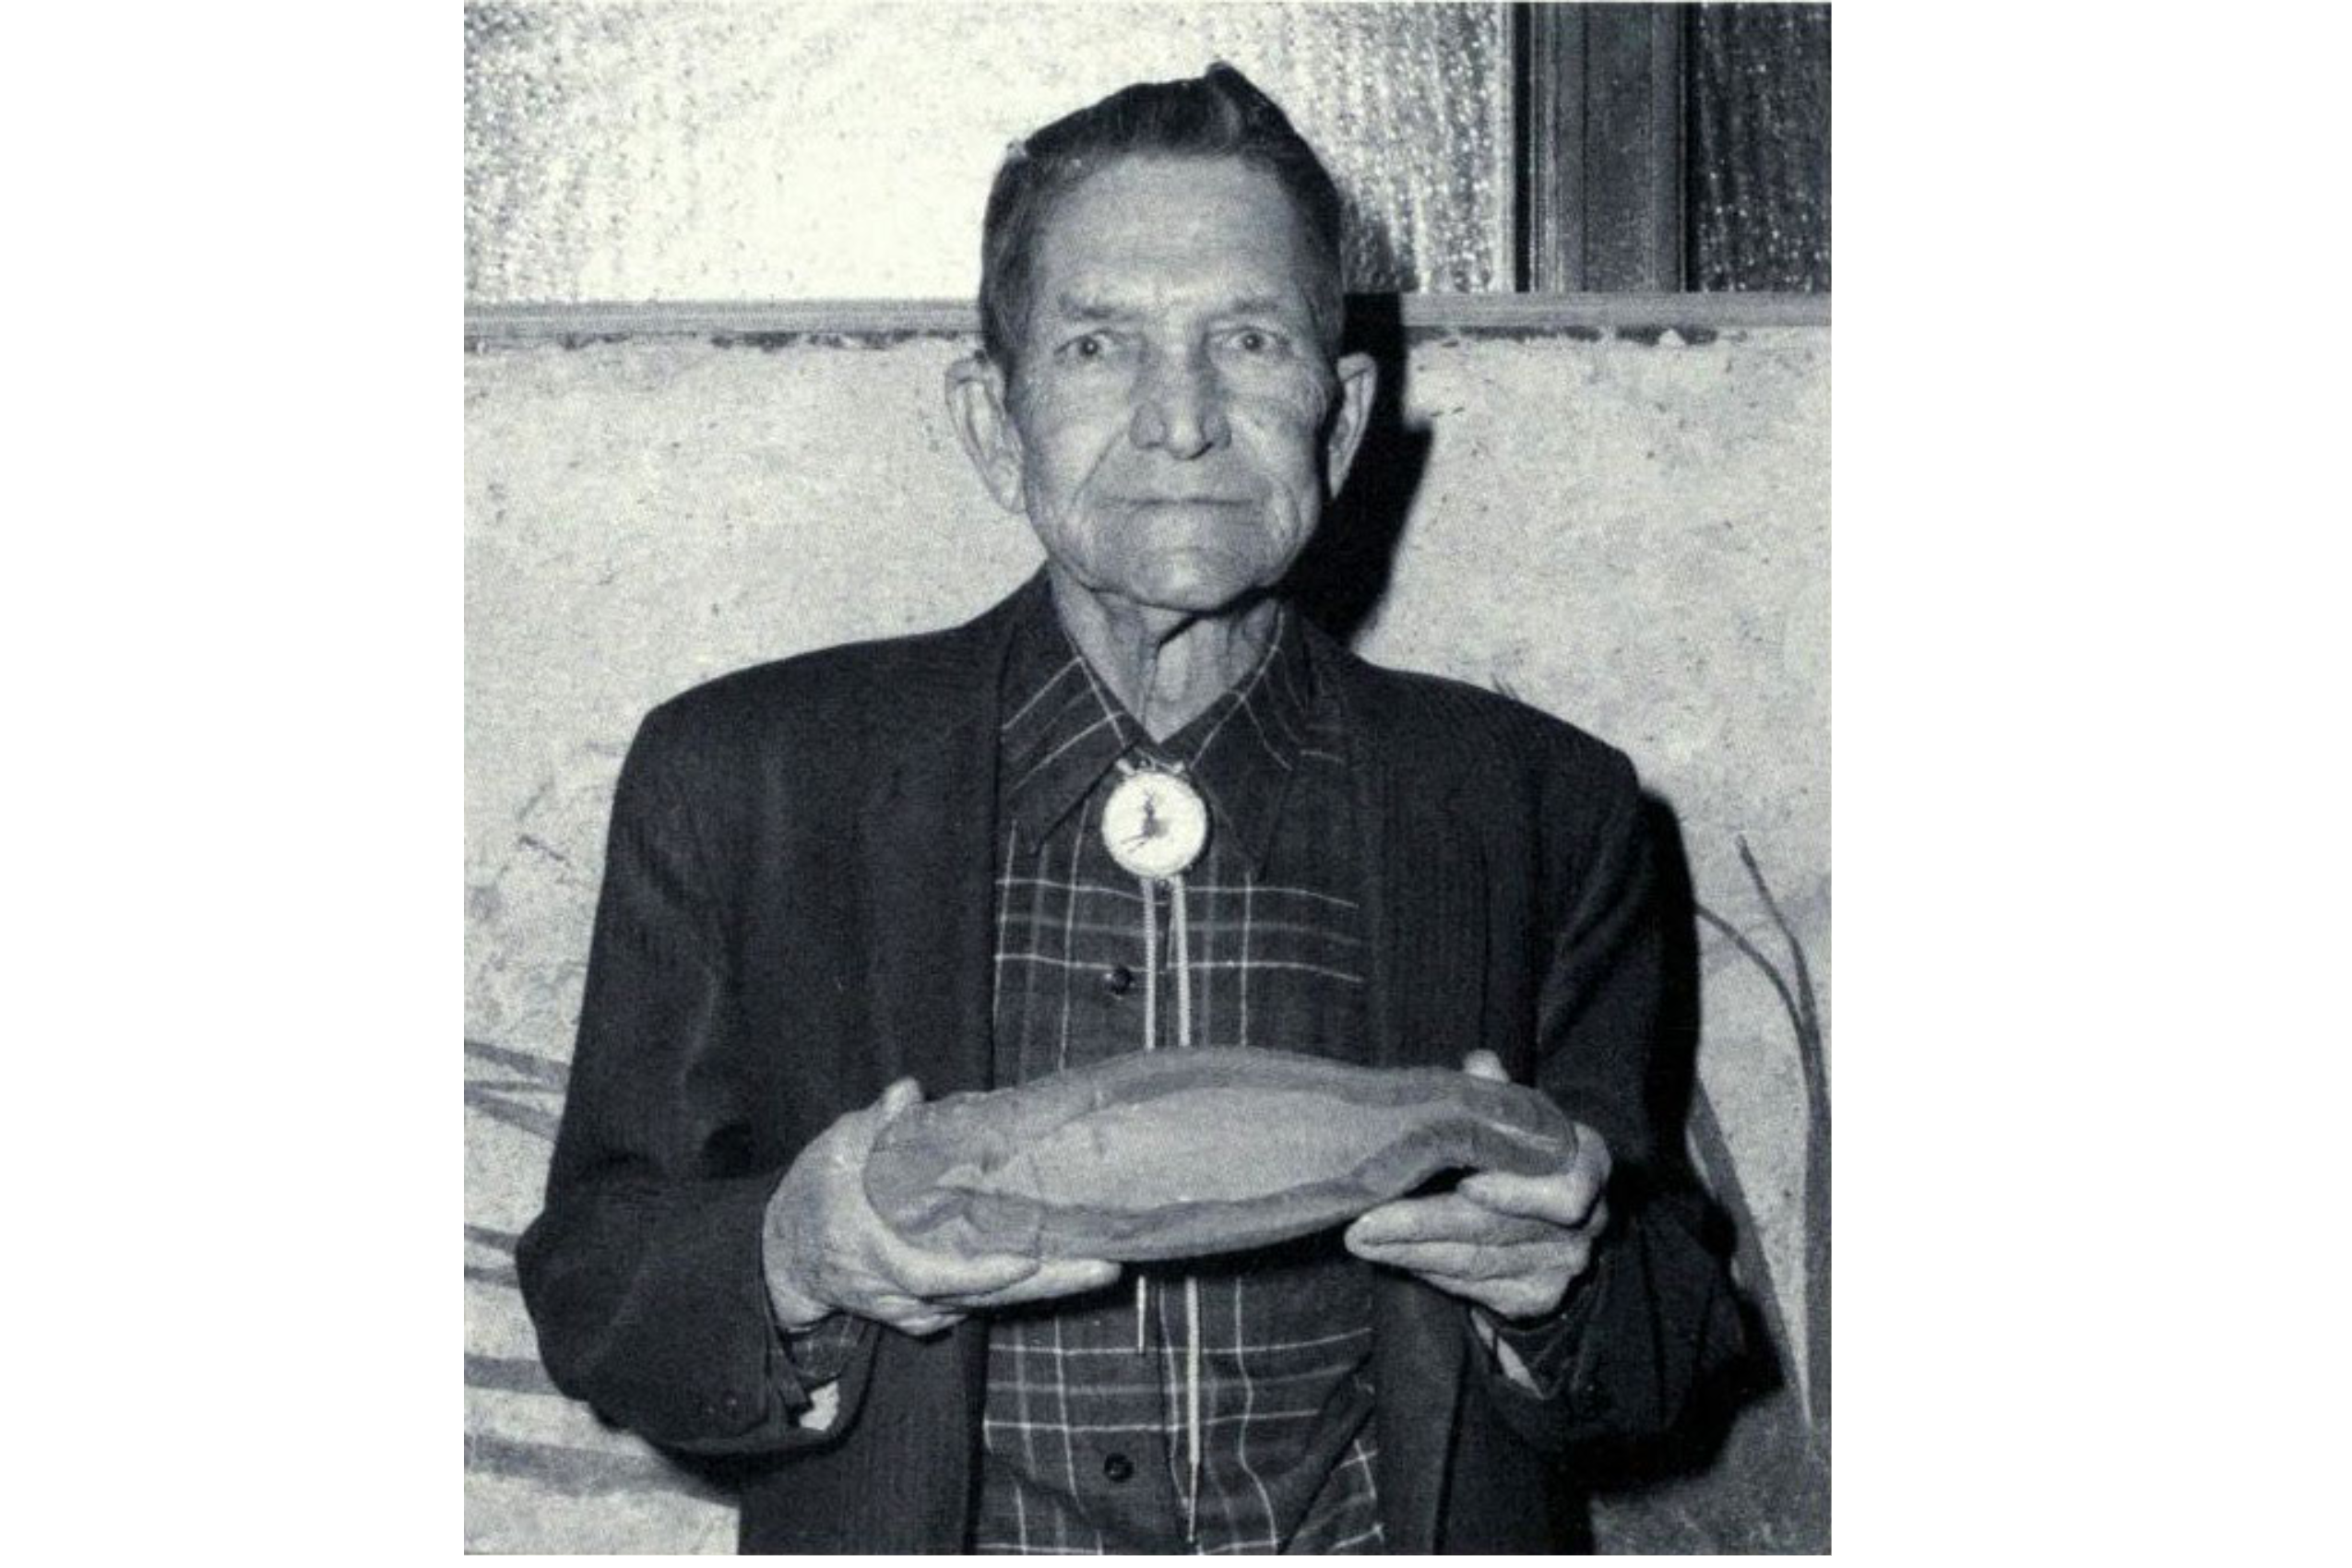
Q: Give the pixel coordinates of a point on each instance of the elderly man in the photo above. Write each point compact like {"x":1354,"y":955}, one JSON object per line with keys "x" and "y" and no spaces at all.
{"x":842,"y":881}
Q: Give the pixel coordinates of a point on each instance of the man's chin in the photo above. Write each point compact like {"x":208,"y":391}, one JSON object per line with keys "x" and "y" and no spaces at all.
{"x":1199,"y":594}
{"x":1206,"y":584}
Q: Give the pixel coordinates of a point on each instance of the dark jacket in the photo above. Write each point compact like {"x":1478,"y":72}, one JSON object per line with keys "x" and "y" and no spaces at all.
{"x":797,"y":911}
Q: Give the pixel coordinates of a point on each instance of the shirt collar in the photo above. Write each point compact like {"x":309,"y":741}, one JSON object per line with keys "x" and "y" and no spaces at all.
{"x":1063,"y":729}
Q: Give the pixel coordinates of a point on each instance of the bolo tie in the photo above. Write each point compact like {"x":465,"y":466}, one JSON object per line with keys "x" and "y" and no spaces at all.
{"x":1154,"y":824}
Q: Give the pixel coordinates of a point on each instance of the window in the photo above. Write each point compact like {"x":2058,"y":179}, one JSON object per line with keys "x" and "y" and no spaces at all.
{"x":670,"y":151}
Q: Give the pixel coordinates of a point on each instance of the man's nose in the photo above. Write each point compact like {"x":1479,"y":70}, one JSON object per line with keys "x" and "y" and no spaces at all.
{"x":1180,"y":409}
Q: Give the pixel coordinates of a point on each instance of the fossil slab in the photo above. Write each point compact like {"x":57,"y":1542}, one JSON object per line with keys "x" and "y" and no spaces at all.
{"x":1183,"y":1154}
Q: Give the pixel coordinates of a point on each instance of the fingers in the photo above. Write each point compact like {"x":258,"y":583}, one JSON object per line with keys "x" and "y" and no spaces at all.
{"x":910,"y":1316}
{"x":845,"y":1145}
{"x":1592,"y":1154}
{"x":1063,"y":1276}
{"x":922,"y":1293}
{"x":899,"y":1098}
{"x":928,"y":1323}
{"x":1485,"y":1064}
{"x":1511,"y":1243}
{"x":981,"y":1278}
{"x":1469,"y":1243}
{"x":1409,"y":1219}
{"x":937,"y":1275}
{"x":1449,"y":1217}
{"x":1452,"y":1260}
{"x":928,"y":1315}
{"x":1562,"y":1197}
{"x":1519,"y":1281}
{"x":1567,"y":1201}
{"x":905,"y":1288}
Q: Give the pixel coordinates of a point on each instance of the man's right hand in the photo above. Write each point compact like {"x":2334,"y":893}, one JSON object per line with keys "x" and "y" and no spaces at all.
{"x":825,"y":1250}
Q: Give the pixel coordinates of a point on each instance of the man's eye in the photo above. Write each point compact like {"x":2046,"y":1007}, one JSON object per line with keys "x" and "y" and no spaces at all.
{"x":1256,"y":341}
{"x":1090,"y":347}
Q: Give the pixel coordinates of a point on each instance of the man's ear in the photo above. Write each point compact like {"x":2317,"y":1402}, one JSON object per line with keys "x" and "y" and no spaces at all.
{"x":976,"y":404}
{"x":1358,"y":380}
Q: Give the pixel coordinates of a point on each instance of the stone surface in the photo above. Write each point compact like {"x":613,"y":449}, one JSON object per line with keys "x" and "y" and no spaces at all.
{"x":1631,"y":531}
{"x":1186,"y":1154}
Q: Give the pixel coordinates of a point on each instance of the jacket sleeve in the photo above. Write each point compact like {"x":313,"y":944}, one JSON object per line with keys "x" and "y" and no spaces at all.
{"x":1654,"y":1316}
{"x":642,"y":1273}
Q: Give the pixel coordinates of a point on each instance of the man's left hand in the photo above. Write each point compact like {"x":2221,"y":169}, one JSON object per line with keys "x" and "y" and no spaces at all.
{"x":1514,"y":1244}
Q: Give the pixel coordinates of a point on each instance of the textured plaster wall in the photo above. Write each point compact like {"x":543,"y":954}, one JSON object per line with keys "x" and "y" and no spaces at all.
{"x":1629,"y":530}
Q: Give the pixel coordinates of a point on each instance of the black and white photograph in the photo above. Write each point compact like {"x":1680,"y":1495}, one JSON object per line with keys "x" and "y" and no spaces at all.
{"x":1138,"y":703}
{"x":1147,"y":743}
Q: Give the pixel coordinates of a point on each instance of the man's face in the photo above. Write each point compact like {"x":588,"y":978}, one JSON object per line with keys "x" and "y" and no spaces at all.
{"x":1172,"y":427}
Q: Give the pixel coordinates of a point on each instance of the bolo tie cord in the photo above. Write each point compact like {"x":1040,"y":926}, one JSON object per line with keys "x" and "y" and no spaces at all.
{"x":1182,"y":962}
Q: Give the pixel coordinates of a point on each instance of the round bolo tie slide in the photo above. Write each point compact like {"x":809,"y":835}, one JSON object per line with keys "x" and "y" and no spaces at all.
{"x":1155,"y":823}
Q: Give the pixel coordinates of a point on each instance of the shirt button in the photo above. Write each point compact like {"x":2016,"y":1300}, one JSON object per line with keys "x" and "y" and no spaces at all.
{"x":1118,"y":979}
{"x":1118,"y":1467}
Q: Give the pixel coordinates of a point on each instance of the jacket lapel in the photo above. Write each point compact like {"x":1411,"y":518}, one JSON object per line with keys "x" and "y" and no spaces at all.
{"x":1426,"y":921}
{"x":927,"y":856}
{"x":926,"y":853}
{"x":1426,"y":905}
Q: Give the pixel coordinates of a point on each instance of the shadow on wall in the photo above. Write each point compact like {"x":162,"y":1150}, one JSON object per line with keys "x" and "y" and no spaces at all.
{"x":1748,"y":1468}
{"x":1343,"y":575}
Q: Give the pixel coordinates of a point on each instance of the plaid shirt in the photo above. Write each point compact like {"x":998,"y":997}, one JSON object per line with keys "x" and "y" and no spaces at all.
{"x":1084,"y":1437}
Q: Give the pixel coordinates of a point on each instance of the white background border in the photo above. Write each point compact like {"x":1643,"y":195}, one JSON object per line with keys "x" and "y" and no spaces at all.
{"x":2089,"y":677}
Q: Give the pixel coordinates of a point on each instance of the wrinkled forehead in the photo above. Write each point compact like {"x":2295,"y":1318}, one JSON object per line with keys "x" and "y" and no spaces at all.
{"x":1145,"y":234}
